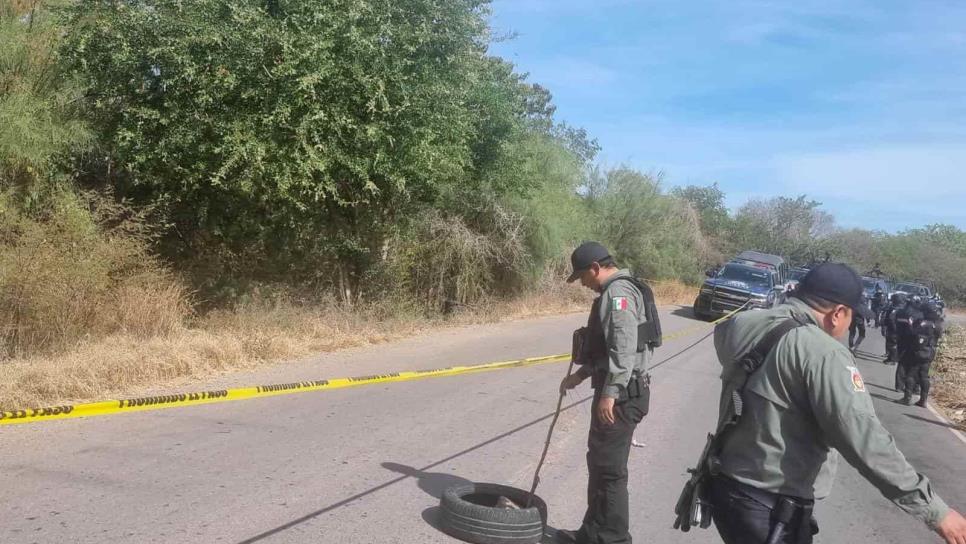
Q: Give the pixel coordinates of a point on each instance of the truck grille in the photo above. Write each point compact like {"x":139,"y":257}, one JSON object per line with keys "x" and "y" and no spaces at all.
{"x":726,"y":299}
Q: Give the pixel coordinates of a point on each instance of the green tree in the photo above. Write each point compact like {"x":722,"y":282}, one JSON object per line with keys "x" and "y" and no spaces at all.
{"x":709,"y":202}
{"x":39,"y":118}
{"x":295,"y":131}
{"x":656,"y":235}
{"x":795,"y":228}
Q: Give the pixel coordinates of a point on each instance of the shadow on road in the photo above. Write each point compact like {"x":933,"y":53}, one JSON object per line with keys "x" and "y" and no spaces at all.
{"x":433,"y":483}
{"x":431,"y":517}
{"x":415,"y":472}
{"x":933,"y":421}
{"x":685,"y":311}
{"x":882,"y":387}
{"x":866,"y":356}
{"x":885,"y":398}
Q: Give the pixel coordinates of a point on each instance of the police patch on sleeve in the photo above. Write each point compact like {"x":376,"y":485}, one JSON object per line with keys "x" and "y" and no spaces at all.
{"x":619,"y":303}
{"x":858,"y":384}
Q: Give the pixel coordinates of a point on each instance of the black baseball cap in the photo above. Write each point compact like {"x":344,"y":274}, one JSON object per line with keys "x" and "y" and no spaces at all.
{"x":838,"y":283}
{"x":585,"y":255}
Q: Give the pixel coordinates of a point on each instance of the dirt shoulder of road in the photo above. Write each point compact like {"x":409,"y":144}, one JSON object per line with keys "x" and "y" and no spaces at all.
{"x":255,"y":336}
{"x":950,"y":376}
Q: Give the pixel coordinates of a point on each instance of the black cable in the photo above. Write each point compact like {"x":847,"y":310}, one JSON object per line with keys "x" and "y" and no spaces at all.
{"x":702,"y":339}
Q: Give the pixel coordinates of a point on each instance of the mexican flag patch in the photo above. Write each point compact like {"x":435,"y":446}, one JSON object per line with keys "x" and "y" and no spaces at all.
{"x":619,"y":303}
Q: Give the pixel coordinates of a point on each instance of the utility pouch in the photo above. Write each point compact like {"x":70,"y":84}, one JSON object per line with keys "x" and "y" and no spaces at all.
{"x":638,"y":386}
{"x":577,"y":352}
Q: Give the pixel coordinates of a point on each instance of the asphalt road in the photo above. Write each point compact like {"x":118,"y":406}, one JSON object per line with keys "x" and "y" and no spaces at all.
{"x":367,"y":465}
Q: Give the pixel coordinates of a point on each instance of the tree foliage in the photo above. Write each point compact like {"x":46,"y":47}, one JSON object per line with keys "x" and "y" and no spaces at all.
{"x":39,"y":119}
{"x":364,"y":147}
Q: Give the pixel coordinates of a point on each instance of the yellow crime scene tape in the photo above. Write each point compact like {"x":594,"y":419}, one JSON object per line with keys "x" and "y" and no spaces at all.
{"x":174,"y":400}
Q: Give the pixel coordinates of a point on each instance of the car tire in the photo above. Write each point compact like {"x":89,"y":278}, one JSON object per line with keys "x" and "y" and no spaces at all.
{"x":698,"y":313}
{"x":469,"y":513}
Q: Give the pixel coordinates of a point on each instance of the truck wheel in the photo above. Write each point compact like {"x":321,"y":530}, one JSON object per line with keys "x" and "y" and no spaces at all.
{"x":696,"y":310}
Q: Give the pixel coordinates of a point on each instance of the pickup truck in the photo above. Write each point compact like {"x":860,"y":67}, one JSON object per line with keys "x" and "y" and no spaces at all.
{"x":736,"y":285}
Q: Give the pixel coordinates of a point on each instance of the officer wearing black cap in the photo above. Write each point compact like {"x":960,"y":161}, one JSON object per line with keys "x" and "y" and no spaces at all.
{"x":857,"y":328}
{"x":889,"y":327}
{"x":922,"y":328}
{"x":800,"y":407}
{"x":614,"y":350}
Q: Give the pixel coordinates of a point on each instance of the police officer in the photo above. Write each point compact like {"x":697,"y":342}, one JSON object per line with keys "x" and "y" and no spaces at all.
{"x":617,"y":368}
{"x":857,"y":327}
{"x":918,"y":350}
{"x":904,"y":318}
{"x":806,"y":404}
{"x":896,"y":303}
{"x":878,"y":304}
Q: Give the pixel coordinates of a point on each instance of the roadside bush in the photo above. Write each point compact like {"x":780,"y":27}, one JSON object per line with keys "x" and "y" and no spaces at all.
{"x":655,"y":235}
{"x":442,"y":260}
{"x":80,"y":269}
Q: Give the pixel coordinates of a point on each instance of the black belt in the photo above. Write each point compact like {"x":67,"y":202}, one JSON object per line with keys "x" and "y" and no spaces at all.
{"x":766,"y":498}
{"x":639,"y":382}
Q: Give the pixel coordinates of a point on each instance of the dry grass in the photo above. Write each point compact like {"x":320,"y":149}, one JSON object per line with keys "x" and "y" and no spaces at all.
{"x":224,"y":341}
{"x":77,"y":275}
{"x":255,"y":334}
{"x":673,"y":292}
{"x":950,"y":370}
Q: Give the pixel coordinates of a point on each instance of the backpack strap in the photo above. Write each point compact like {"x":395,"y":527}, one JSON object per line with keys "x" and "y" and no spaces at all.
{"x":753,"y":360}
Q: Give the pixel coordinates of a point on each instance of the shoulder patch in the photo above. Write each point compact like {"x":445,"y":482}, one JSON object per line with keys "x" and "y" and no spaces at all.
{"x":619,"y":303}
{"x":858,"y":384}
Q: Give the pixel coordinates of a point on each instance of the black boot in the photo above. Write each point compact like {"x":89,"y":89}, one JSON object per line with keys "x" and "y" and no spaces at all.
{"x":566,"y":536}
{"x":921,"y":402}
{"x":907,"y":400}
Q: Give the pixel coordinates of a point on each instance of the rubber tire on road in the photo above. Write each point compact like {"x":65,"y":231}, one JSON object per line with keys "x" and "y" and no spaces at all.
{"x":480,"y":524}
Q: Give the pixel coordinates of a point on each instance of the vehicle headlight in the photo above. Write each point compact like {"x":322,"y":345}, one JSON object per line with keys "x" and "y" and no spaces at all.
{"x":758,"y":300}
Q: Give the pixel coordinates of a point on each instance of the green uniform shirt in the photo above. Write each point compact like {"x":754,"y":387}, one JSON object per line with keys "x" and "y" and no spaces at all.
{"x":806,"y":402}
{"x":621,"y":310}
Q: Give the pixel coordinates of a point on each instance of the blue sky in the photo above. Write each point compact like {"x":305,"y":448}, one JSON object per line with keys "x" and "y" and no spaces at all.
{"x":858,"y":104}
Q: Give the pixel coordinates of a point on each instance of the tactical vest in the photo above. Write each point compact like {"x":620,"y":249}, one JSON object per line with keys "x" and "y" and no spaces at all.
{"x":924,"y":340}
{"x":648,"y":333}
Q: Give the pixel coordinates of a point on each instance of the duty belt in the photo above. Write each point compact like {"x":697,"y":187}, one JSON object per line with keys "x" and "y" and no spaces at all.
{"x":788,"y":510}
{"x":639,"y":382}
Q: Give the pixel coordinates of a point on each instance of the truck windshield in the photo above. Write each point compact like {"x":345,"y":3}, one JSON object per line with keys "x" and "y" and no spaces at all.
{"x":747,"y":275}
{"x":909,"y":288}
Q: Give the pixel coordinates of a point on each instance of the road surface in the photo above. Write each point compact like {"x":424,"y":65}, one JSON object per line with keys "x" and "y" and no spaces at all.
{"x":367,"y":465}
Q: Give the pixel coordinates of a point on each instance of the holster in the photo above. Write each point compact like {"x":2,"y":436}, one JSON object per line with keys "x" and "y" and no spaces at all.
{"x":787,"y":512}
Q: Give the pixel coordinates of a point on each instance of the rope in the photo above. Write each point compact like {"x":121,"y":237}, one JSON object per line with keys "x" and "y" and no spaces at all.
{"x":546,"y":446}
